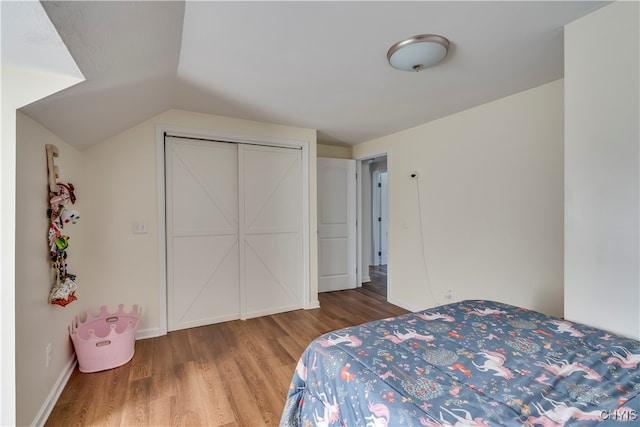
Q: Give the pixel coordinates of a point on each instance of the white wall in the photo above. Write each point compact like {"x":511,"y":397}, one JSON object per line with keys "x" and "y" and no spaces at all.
{"x":121,"y":174}
{"x":602,"y":169}
{"x":491,"y":187}
{"x":37,"y":322}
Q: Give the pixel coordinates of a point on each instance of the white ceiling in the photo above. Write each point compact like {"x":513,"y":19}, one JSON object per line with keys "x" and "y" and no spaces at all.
{"x":319,"y":65}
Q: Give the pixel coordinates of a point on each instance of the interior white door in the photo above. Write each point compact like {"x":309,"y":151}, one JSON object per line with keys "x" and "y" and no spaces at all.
{"x":202,"y":232}
{"x":336,"y":224}
{"x":270,"y":229}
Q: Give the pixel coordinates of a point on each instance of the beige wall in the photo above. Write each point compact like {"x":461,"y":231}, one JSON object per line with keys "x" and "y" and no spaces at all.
{"x":334,"y":151}
{"x":19,"y":87}
{"x":37,"y":322}
{"x":491,"y":192}
{"x":116,"y":183}
{"x":602,"y":146}
{"x":122,"y":174}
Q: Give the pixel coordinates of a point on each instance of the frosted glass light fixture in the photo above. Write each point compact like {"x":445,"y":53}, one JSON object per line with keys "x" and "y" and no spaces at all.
{"x":418,"y":52}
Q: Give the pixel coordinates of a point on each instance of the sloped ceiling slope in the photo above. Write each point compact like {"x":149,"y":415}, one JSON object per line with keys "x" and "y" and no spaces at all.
{"x":128,"y":53}
{"x":30,"y":41}
{"x":318,"y":65}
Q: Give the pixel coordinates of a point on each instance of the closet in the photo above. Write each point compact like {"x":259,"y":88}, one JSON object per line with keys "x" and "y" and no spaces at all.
{"x":233,"y":231}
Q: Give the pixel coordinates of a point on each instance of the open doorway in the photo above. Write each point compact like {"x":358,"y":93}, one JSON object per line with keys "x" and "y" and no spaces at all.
{"x":374,"y":234}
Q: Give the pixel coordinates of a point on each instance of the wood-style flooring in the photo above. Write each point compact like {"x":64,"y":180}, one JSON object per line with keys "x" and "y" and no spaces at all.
{"x":229,"y":374}
{"x":378,"y":283}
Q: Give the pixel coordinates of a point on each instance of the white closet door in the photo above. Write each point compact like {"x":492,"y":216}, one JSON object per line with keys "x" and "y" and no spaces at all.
{"x":202,"y":232}
{"x":270,"y":229}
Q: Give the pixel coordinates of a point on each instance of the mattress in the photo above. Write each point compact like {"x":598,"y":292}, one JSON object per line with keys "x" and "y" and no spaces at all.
{"x":470,"y":363}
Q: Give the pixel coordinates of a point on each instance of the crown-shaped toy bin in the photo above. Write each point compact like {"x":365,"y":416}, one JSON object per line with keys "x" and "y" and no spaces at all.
{"x":106,"y":341}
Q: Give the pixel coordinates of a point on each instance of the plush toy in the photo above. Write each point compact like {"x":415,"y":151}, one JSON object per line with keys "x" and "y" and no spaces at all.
{"x":64,"y":293}
{"x":68,"y":216}
{"x":64,"y":289}
{"x":54,"y":234}
{"x":62,"y":243}
{"x":56,"y":202}
{"x":67,"y":191}
{"x":65,"y":194}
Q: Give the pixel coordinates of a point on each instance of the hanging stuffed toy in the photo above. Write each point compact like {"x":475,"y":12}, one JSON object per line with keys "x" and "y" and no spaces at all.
{"x":64,"y":291}
{"x":68,"y":216}
{"x":64,"y":294}
{"x":65,"y":287}
{"x":60,"y":194}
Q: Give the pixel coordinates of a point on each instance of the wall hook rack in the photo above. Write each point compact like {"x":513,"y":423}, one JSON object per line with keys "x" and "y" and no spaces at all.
{"x":53,"y":172}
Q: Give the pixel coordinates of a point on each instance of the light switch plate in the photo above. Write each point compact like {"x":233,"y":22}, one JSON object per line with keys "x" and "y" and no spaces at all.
{"x":139,"y":227}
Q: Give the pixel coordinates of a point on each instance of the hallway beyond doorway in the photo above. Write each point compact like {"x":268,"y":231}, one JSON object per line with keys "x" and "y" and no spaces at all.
{"x":378,"y":283}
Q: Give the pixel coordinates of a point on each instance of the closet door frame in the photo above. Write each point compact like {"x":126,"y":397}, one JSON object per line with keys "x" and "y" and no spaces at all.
{"x":161,"y":130}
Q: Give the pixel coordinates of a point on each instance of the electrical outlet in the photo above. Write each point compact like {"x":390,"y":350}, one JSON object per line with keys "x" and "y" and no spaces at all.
{"x":49,"y":353}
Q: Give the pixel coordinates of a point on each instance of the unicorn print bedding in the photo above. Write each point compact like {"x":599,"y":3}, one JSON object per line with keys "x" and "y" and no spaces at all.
{"x":471,"y":363}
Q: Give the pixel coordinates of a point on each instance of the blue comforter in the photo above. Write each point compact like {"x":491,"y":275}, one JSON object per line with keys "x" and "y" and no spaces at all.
{"x":472,"y":363}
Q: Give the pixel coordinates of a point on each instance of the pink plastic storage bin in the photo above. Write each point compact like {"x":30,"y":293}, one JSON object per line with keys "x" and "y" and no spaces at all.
{"x":106,"y":341}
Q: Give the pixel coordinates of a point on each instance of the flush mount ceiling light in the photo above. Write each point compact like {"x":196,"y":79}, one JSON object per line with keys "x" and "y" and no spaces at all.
{"x":418,"y":52}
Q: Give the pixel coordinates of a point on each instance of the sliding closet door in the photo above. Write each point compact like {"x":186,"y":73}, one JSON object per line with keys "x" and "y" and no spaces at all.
{"x":234,"y":231}
{"x":271,"y":229}
{"x":202,"y":232}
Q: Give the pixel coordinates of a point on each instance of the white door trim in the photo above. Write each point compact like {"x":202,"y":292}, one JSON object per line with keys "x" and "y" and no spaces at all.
{"x":161,"y":130}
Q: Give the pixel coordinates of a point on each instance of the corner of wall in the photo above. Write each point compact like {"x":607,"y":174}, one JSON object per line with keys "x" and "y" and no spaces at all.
{"x":34,"y":277}
{"x":334,"y":151}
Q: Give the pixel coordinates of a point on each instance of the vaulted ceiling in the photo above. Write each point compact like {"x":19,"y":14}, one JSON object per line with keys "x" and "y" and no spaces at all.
{"x":319,"y":65}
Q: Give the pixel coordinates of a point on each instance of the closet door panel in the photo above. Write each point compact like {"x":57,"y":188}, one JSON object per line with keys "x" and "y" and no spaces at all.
{"x":206,"y":271}
{"x":272,"y":274}
{"x":202,"y":232}
{"x":271,"y":229}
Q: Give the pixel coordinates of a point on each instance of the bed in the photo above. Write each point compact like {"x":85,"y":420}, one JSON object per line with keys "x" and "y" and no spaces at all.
{"x":470,"y":363}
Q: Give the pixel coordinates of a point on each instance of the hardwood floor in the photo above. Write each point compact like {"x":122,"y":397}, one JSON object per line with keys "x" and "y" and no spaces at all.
{"x":378,"y":283}
{"x":229,"y":374}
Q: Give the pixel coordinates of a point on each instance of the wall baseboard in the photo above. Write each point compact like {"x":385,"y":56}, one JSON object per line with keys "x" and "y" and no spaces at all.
{"x":142,"y":334}
{"x":401,"y":304}
{"x":312,"y":305}
{"x":366,"y":279}
{"x":56,"y":391}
